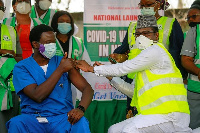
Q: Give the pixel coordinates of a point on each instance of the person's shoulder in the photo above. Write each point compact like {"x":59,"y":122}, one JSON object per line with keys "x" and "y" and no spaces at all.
{"x":24,"y":61}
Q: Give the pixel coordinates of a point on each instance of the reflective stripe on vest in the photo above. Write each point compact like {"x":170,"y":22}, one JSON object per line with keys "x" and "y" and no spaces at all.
{"x":77,"y":48}
{"x":193,"y":81}
{"x":46,"y":18}
{"x":149,"y":85}
{"x":160,"y":93}
{"x":165,"y":27}
{"x":6,"y":67}
{"x":8,"y":37}
{"x":131,"y":37}
{"x":10,"y":21}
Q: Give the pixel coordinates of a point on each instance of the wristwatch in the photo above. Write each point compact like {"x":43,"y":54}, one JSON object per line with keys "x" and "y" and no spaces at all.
{"x":81,"y":108}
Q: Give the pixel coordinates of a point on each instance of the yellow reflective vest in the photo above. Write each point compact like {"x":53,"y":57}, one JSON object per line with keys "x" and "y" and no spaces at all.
{"x":160,"y":93}
{"x":164,"y":26}
{"x":8,"y":37}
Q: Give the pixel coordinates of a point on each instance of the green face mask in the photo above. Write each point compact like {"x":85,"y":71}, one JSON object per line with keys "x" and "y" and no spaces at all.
{"x":148,"y":11}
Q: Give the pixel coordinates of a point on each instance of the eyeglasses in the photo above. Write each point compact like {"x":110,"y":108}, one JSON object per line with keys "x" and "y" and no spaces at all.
{"x":2,"y":8}
{"x":146,"y":5}
{"x":145,"y":33}
{"x":192,"y":16}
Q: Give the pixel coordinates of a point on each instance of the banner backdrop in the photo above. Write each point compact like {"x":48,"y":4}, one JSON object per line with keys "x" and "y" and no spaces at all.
{"x":105,"y":26}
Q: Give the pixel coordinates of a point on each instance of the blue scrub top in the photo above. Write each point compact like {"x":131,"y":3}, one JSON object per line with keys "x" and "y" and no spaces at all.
{"x":28,"y":72}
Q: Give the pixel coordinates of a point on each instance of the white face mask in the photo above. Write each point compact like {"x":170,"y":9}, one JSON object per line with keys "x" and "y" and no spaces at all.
{"x":1,"y":14}
{"x":48,"y":50}
{"x":23,"y":7}
{"x":148,"y":11}
{"x":143,"y":42}
{"x":44,"y":4}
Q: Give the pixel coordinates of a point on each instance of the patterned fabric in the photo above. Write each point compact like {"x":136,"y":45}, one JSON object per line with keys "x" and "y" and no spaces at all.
{"x":145,"y":21}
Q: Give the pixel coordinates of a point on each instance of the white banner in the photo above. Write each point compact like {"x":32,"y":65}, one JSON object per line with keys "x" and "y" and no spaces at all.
{"x":105,"y":25}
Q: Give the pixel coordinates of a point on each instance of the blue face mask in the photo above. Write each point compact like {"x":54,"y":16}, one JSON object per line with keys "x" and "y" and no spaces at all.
{"x":48,"y":50}
{"x":64,"y":28}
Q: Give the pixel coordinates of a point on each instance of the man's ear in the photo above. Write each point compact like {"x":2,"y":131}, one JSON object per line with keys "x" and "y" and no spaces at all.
{"x":35,"y":44}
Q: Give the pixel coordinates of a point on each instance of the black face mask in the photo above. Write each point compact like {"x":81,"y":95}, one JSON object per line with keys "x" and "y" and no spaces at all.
{"x":193,"y":24}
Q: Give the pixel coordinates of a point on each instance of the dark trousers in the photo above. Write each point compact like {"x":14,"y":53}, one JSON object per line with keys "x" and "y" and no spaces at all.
{"x":6,"y":115}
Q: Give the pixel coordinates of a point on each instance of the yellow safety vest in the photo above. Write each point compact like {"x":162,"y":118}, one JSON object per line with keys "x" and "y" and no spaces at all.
{"x":160,"y":93}
{"x":164,"y":26}
{"x":8,"y":37}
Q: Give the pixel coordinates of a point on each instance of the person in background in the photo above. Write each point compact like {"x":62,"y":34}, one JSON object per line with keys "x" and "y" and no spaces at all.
{"x":42,"y":11}
{"x":190,"y":60}
{"x":43,"y":82}
{"x":23,"y":24}
{"x":65,"y":29}
{"x":159,"y":92}
{"x":10,"y":52}
{"x":193,"y":15}
{"x":66,"y":41}
{"x":170,"y":35}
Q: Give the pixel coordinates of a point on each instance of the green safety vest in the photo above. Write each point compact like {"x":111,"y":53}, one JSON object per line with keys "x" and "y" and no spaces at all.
{"x":48,"y":16}
{"x":165,"y":25}
{"x":193,"y":81}
{"x":77,"y":48}
{"x":8,"y":41}
{"x":6,"y":67}
{"x":12,"y":20}
{"x":10,"y":32}
{"x":8,"y":37}
{"x":160,"y":93}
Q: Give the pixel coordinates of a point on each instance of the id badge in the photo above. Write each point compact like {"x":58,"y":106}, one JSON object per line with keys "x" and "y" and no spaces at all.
{"x":42,"y":119}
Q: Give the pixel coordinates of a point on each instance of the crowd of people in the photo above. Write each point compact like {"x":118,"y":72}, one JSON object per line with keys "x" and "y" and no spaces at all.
{"x":157,"y":67}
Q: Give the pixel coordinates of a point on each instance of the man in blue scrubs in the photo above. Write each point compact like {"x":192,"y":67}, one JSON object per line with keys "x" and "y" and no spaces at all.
{"x":43,"y":83}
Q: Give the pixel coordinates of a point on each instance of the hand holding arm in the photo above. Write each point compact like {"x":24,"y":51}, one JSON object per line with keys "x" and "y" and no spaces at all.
{"x":41,"y":92}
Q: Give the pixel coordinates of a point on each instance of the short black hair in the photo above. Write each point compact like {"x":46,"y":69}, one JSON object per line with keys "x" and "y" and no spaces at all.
{"x":37,"y":31}
{"x":54,"y":22}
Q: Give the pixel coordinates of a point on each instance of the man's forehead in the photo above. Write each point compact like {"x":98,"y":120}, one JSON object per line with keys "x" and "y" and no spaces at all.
{"x":48,"y":33}
{"x":144,"y":29}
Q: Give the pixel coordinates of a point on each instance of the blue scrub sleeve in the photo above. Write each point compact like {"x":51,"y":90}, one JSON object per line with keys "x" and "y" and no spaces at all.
{"x":21,"y":78}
